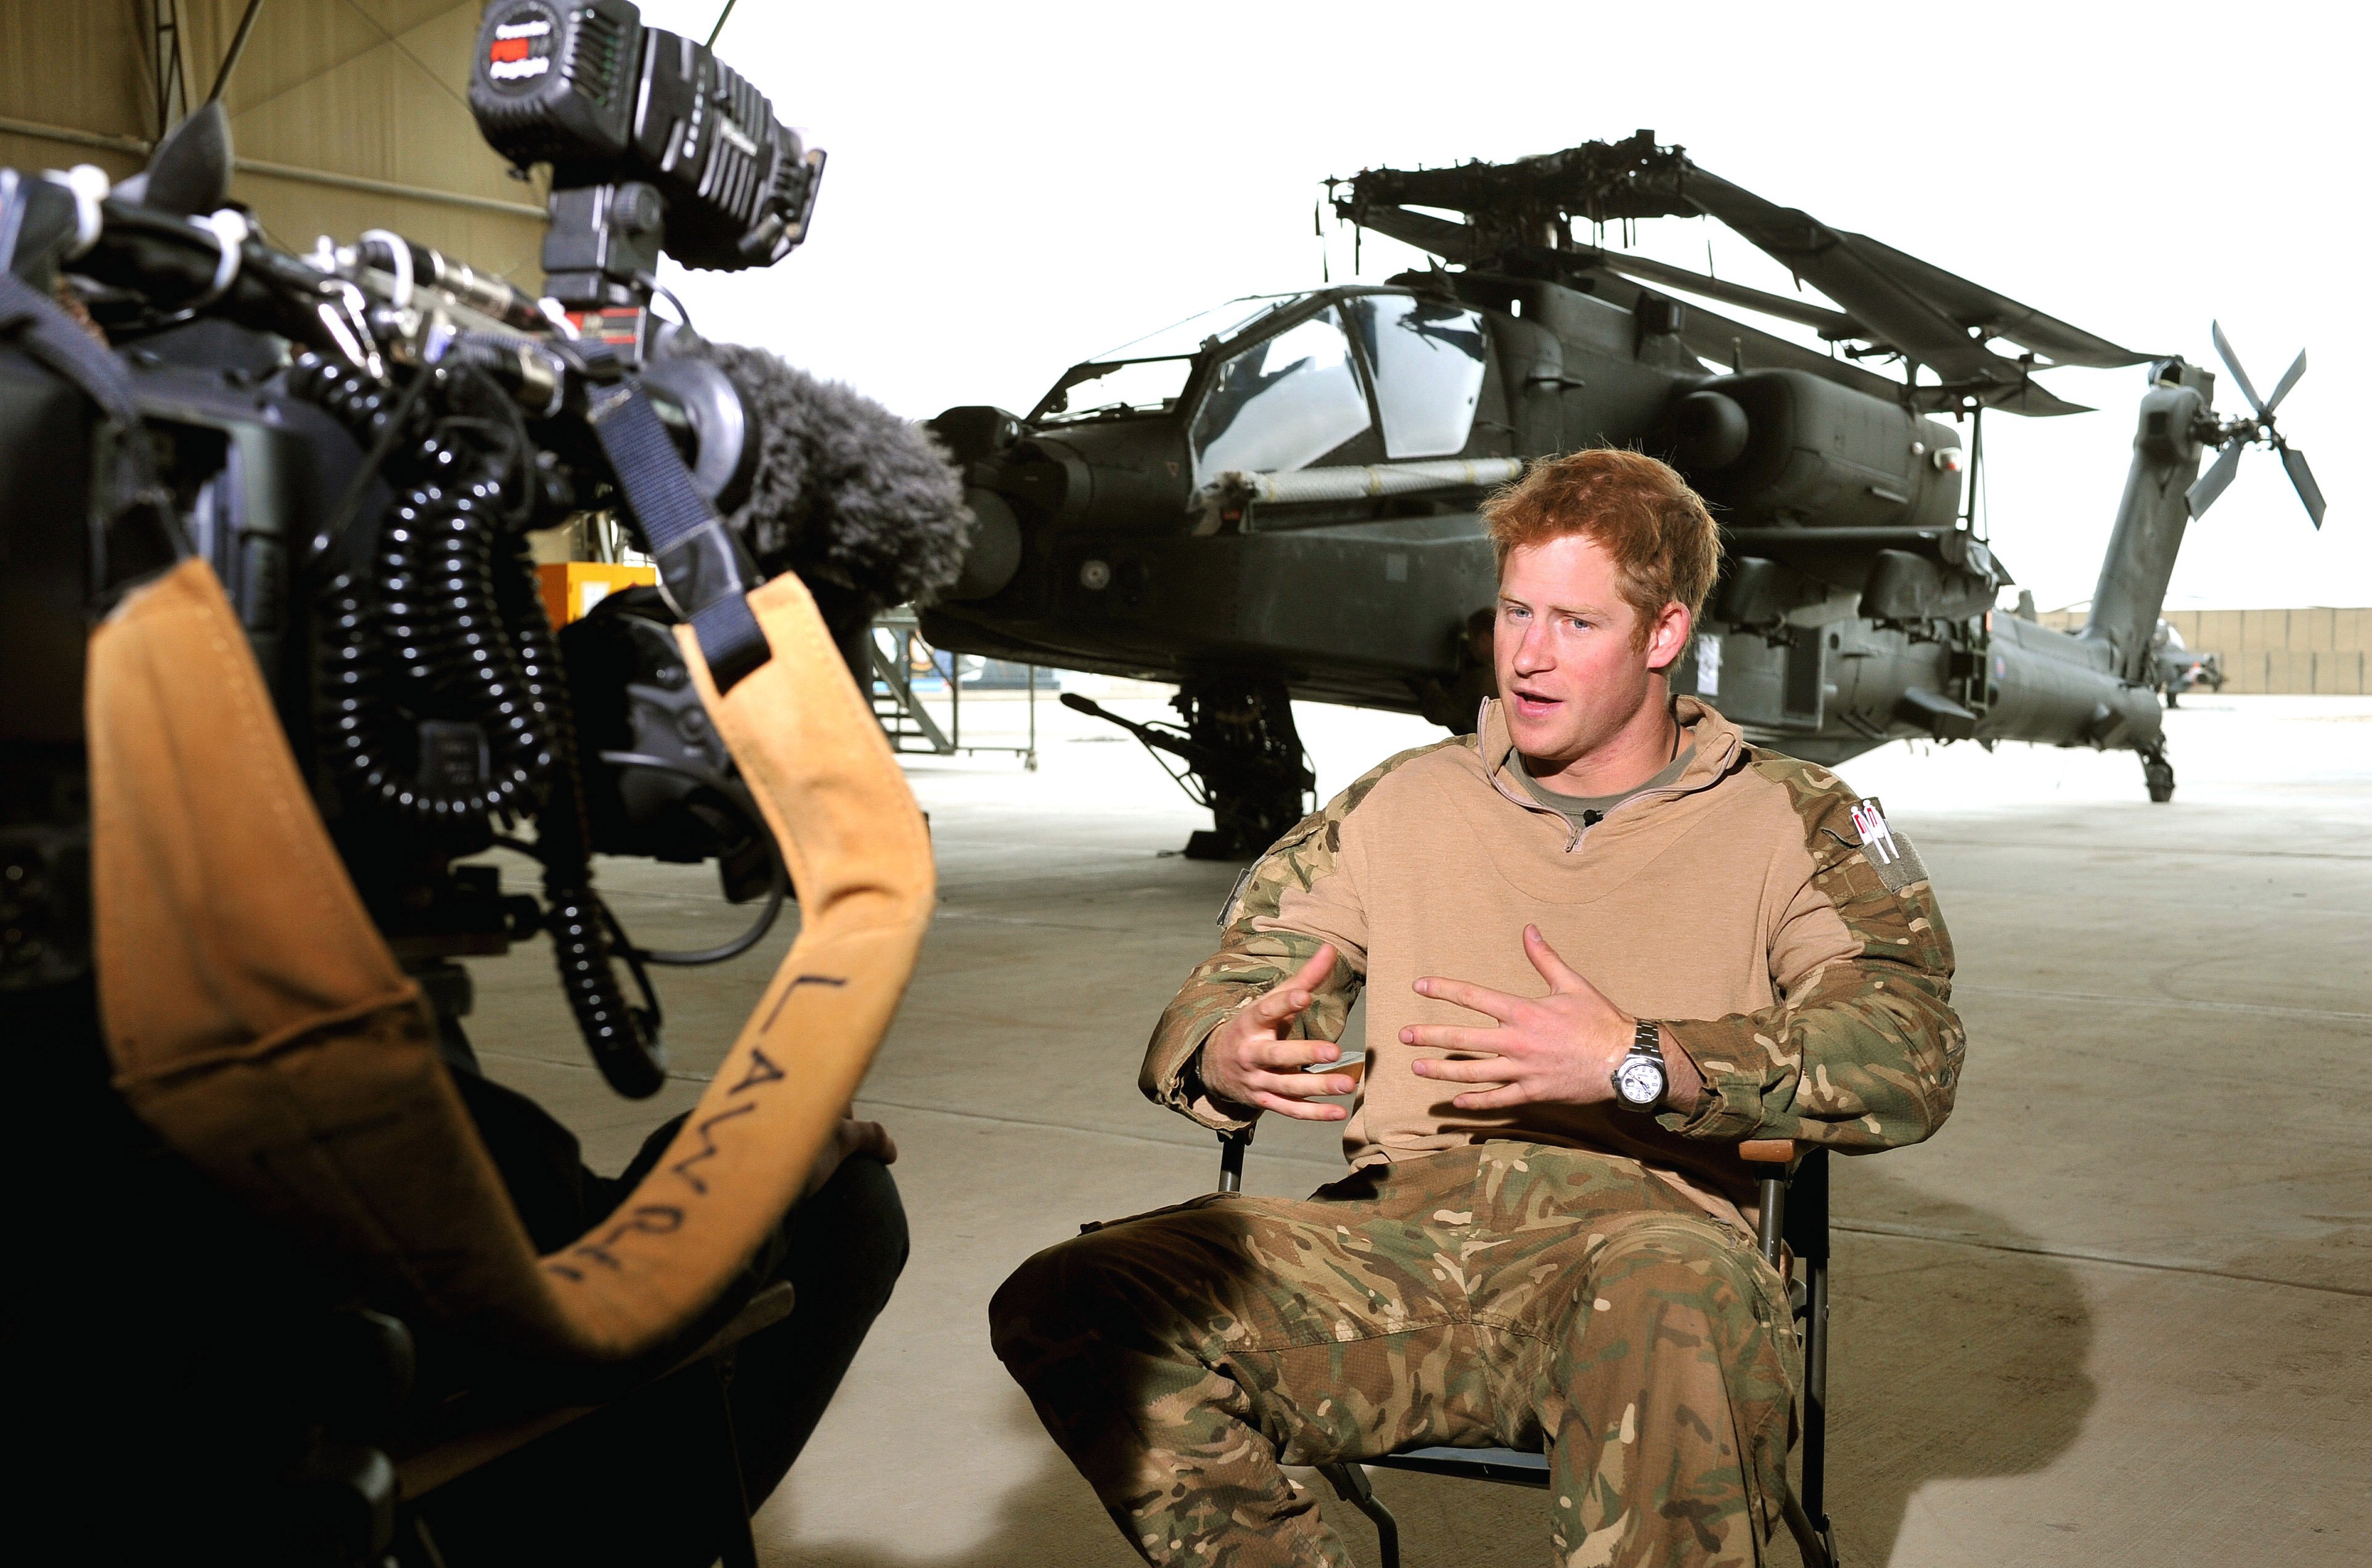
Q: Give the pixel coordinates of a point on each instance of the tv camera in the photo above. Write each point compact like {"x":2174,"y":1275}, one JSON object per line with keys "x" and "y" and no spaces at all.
{"x":359,"y":440}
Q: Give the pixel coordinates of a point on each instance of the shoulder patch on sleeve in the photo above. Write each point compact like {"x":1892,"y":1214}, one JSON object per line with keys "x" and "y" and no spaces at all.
{"x":1235,"y":894}
{"x":1833,"y":814}
{"x":1896,"y":863}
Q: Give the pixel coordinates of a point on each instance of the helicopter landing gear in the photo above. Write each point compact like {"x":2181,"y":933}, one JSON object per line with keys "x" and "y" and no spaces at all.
{"x":1254,"y":777}
{"x":1238,"y":753}
{"x":2158,"y":774}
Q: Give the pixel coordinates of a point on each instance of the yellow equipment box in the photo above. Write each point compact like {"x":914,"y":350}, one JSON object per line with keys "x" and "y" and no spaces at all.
{"x":571,"y":588}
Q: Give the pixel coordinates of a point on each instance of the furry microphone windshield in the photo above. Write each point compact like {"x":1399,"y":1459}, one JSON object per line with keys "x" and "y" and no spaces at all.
{"x":844,"y":491}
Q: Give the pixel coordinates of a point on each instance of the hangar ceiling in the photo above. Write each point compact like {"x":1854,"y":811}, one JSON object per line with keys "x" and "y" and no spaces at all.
{"x":345,"y":114}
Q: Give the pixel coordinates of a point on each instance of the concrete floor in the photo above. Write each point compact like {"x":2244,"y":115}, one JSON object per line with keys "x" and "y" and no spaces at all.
{"x":2119,"y":1311}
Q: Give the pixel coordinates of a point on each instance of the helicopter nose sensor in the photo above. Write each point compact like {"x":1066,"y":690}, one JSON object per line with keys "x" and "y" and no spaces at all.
{"x":995,"y":553}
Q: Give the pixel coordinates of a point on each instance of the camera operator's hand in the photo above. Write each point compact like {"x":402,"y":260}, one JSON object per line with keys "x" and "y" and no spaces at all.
{"x":850,"y":1137}
{"x":1248,"y":1062}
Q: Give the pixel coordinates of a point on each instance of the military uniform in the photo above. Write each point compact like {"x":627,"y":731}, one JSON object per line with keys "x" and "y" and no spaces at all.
{"x":1579,"y":1278}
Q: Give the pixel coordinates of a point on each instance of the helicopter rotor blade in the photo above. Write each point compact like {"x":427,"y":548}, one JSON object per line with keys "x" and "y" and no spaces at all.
{"x":2232,"y":363}
{"x":2213,"y":483}
{"x":2289,"y":378}
{"x":2302,"y":480}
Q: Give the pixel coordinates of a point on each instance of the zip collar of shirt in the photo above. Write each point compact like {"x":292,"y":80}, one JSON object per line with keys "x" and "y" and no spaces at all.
{"x":1711,"y":746}
{"x":1589,"y":808}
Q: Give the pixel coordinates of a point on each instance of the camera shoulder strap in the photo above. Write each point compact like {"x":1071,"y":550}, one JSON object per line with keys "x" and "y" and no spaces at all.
{"x":705,"y":572}
{"x":51,"y":335}
{"x":259,"y":1024}
{"x":134,"y":534}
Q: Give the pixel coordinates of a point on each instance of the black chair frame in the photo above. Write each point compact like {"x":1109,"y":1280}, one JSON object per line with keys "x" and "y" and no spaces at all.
{"x":1795,"y":1220}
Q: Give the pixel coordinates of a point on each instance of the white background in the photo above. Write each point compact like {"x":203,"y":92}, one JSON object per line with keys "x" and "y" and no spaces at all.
{"x":1013,"y":188}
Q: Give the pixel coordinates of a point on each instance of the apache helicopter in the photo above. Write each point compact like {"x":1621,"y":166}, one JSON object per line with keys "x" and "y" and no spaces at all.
{"x":1278,"y":498}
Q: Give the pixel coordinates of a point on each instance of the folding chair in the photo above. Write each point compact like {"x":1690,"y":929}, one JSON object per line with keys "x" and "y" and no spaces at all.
{"x":1794,"y":1203}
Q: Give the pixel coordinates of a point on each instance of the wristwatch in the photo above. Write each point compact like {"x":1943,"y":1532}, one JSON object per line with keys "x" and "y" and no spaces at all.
{"x":1640,"y":1078}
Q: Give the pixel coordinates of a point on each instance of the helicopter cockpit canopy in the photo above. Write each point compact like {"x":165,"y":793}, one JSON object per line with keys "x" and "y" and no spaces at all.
{"x":1426,"y":358}
{"x":1279,"y":382}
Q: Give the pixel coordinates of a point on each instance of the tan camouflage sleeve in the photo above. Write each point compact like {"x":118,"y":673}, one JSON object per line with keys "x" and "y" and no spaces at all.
{"x":1301,"y":895}
{"x":1863,"y":1051}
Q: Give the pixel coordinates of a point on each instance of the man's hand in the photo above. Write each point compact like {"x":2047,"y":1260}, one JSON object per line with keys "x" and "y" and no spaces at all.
{"x":1558,"y":1049}
{"x":1247,"y":1060}
{"x":850,"y":1137}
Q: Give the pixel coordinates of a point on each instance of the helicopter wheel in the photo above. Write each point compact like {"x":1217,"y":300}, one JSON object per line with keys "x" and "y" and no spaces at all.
{"x":2157,"y":775}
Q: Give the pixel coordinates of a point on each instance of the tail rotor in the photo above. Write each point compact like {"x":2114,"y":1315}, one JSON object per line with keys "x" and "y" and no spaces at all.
{"x":2302,"y":480}
{"x":2232,"y":436}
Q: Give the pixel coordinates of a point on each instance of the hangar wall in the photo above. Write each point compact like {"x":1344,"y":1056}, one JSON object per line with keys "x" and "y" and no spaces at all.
{"x":2319,"y":650}
{"x":344,"y":116}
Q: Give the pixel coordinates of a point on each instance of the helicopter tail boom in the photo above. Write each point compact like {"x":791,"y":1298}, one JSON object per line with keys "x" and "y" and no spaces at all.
{"x":2052,"y":689}
{"x":2151,"y":517}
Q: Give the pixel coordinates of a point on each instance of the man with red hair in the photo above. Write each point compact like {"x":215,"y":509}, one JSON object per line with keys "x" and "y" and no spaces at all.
{"x":1604,"y":941}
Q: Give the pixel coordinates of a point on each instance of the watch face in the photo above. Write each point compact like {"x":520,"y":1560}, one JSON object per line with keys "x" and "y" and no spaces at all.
{"x":1640,"y":1081}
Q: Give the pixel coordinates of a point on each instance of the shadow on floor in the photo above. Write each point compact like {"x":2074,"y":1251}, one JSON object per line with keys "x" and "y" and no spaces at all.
{"x":1946,"y":1362}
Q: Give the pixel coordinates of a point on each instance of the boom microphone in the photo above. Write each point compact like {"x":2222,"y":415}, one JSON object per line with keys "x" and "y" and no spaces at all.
{"x":810,"y":478}
{"x":843,"y":492}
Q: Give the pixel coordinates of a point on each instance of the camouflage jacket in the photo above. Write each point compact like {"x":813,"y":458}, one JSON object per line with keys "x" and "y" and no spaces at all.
{"x":1785,"y":935}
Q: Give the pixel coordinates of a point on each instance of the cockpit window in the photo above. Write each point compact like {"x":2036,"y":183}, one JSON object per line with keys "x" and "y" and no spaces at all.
{"x":1129,"y":386}
{"x":1282,"y":403}
{"x":1428,"y":359}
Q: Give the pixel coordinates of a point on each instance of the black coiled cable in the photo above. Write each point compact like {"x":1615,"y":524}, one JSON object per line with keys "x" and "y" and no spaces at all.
{"x":427,"y":621}
{"x":449,"y":623}
{"x":624,"y":1040}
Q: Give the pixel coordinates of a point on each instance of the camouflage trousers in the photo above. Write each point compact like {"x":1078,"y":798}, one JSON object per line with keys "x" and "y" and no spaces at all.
{"x":1509,"y":1294}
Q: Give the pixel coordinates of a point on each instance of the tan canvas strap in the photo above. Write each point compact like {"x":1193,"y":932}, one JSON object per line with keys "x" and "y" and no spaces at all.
{"x":258,"y":1022}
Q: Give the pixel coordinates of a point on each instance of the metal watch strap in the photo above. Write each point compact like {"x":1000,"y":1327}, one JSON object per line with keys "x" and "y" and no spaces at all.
{"x":1646,"y":1046}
